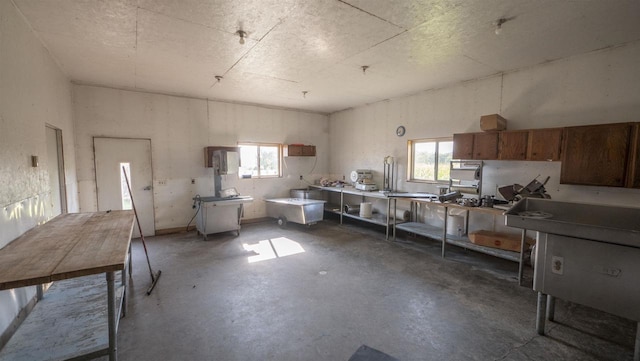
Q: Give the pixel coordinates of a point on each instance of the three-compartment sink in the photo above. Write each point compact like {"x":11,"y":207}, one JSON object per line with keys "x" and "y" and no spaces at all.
{"x":612,"y":224}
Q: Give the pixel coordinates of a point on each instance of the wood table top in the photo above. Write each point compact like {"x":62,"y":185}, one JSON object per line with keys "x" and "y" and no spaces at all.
{"x":70,"y":245}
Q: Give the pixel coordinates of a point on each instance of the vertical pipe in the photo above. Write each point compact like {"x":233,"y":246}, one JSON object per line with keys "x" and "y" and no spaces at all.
{"x":111,"y":315}
{"x":542,"y":298}
{"x":551,"y":307}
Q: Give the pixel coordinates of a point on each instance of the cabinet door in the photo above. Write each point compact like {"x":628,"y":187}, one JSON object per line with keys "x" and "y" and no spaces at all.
{"x":294,"y":150}
{"x":596,"y":154}
{"x":309,"y":150}
{"x":513,"y":145}
{"x":633,"y":179}
{"x":485,"y":145}
{"x":544,"y":144}
{"x":463,"y":146}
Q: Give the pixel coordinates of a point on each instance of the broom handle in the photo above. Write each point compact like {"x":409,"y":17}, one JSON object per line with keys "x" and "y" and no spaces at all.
{"x":133,"y":204}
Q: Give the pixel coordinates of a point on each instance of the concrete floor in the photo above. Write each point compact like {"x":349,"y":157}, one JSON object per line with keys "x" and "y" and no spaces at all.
{"x":347,"y":288}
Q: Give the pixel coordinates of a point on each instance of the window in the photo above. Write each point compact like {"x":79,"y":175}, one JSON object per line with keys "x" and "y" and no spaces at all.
{"x":429,"y":159}
{"x":260,"y":160}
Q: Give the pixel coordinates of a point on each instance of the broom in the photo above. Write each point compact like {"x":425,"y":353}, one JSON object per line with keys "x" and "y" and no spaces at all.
{"x":156,"y":277}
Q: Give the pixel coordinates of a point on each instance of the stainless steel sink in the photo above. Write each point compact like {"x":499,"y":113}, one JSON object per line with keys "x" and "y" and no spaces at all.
{"x":612,"y":224}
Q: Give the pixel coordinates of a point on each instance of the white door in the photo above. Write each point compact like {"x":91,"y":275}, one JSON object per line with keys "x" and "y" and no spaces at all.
{"x":111,"y":154}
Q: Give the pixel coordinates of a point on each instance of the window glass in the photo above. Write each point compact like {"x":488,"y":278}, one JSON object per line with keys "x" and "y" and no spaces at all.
{"x":430,"y":159}
{"x":260,"y":160}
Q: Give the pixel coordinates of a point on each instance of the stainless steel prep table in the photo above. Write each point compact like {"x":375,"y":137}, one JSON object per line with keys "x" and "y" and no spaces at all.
{"x":385,"y":220}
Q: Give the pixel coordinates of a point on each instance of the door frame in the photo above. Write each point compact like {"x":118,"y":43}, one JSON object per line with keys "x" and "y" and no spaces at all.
{"x":95,"y":170}
{"x":62,"y":180}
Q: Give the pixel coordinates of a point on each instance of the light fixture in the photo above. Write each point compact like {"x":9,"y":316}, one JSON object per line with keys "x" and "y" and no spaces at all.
{"x":242,"y":34}
{"x":218,"y":78}
{"x":364,"y":68}
{"x":304,"y":93}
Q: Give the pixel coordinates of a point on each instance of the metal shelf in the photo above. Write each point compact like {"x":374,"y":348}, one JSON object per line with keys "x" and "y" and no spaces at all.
{"x":376,"y":218}
{"x":422,"y":230}
{"x":464,"y":242}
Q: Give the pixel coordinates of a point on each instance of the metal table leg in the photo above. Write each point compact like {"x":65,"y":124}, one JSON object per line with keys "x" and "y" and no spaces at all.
{"x":521,"y":265}
{"x":388,"y":216}
{"x":636,"y":353}
{"x":540,"y":313}
{"x":111,"y":315}
{"x":444,"y":231}
{"x":551,"y":307}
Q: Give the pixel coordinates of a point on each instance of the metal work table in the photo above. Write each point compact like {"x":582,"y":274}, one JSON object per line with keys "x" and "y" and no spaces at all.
{"x":441,"y":235}
{"x":386,"y":221}
{"x":70,"y":246}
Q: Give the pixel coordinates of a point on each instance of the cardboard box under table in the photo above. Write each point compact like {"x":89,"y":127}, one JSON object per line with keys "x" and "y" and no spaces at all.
{"x":509,"y":242}
{"x":302,"y":211}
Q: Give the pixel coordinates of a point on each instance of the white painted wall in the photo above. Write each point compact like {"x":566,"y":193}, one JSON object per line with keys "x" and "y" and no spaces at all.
{"x":180,"y":128}
{"x":600,"y":87}
{"x":33,"y":91}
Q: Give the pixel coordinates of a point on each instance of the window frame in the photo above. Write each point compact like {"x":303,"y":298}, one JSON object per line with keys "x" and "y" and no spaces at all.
{"x":258,"y":145}
{"x":411,"y":156}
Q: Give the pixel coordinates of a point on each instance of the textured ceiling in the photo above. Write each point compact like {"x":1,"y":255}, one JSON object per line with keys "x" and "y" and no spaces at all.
{"x":319,"y":46}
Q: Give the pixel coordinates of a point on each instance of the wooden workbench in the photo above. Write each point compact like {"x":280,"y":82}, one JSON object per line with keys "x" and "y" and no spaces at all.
{"x":71,"y":246}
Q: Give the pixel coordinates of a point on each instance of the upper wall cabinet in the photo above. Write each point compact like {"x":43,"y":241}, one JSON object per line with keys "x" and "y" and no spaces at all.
{"x":513,"y":145}
{"x":544,"y":144}
{"x":633,"y":176}
{"x":299,"y":150}
{"x":463,"y":146}
{"x":475,"y":146}
{"x":599,"y":155}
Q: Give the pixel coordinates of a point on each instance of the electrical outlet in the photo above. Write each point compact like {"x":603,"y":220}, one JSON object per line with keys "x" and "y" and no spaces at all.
{"x":557,"y":265}
{"x":300,"y":177}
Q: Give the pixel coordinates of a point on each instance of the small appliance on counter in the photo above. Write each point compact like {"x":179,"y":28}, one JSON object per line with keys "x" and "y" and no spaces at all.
{"x":363,"y":180}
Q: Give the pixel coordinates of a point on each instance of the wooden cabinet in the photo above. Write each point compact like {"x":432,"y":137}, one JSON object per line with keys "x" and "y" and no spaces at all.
{"x":208,"y":154}
{"x":463,"y":146}
{"x":597,"y":155}
{"x":513,"y":145}
{"x":485,"y":145}
{"x":299,"y":150}
{"x":544,"y":144}
{"x":475,"y":146}
{"x":633,"y":176}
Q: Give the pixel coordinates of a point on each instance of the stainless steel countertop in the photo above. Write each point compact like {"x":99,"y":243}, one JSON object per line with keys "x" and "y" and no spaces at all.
{"x":611,"y":224}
